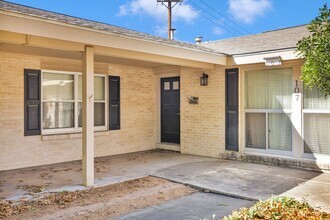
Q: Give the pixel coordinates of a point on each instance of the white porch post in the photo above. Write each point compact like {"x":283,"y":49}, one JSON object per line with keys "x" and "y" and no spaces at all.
{"x":296,"y":117}
{"x":297,"y":141}
{"x":88,"y":116}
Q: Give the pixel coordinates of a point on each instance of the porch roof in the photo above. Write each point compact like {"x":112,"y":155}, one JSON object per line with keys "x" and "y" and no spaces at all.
{"x":99,"y":26}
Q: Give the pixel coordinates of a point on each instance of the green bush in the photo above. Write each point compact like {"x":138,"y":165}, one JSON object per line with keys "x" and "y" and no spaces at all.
{"x":315,"y":49}
{"x":282,"y":207}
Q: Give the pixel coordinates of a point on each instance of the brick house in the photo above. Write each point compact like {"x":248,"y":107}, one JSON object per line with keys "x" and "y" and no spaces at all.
{"x":74,"y":89}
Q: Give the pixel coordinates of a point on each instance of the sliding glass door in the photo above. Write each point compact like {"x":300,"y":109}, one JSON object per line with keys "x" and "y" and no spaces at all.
{"x":268,"y":98}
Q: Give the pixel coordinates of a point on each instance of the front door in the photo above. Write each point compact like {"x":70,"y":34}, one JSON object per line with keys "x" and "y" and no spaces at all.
{"x":170,"y":110}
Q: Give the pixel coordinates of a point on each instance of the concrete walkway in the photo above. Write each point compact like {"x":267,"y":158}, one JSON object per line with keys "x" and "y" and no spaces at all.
{"x":252,"y":181}
{"x":196,"y":206}
{"x":238,"y":179}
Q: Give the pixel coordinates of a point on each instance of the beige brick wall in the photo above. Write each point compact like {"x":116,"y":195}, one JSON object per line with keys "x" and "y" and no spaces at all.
{"x":203,"y":125}
{"x":137,"y":114}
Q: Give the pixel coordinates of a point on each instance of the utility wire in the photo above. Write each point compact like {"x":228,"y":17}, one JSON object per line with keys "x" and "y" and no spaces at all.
{"x":163,"y":13}
{"x":216,"y":22}
{"x":156,"y":9}
{"x":176,"y":11}
{"x":219,"y":23}
{"x":225,"y":16}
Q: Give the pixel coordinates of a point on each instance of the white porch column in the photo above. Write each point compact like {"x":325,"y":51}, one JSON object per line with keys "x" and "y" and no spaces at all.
{"x":88,"y":116}
{"x":296,"y":117}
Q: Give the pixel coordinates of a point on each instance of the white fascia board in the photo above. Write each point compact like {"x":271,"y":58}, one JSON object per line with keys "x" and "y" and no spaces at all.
{"x":260,"y":57}
{"x":24,"y":24}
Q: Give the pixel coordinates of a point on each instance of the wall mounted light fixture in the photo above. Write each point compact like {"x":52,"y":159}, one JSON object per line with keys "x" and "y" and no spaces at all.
{"x":273,"y":61}
{"x":204,"y":79}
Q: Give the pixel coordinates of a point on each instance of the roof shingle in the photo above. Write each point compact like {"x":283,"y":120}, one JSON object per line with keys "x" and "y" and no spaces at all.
{"x":285,"y":38}
{"x":268,"y":41}
{"x":62,"y":18}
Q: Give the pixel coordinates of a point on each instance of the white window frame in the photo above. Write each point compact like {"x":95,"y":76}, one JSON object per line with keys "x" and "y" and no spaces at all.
{"x":75,"y":129}
{"x":307,"y":155}
{"x":266,"y":112}
{"x":106,"y":101}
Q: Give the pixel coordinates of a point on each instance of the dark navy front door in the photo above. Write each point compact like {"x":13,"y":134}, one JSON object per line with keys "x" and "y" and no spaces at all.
{"x":170,"y":110}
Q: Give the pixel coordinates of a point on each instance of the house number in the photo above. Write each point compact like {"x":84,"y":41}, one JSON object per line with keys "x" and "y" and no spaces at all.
{"x":297,"y":97}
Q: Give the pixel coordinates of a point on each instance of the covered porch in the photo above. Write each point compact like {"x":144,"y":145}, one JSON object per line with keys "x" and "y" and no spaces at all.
{"x":81,"y":53}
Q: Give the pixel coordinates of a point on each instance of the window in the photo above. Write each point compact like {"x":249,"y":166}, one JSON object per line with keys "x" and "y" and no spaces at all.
{"x":99,"y":101}
{"x":58,"y":100}
{"x":268,"y":97}
{"x":62,"y":106}
{"x":53,"y":102}
{"x":316,"y":119}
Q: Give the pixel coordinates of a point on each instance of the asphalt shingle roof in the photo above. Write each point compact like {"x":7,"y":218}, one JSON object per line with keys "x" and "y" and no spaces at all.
{"x":62,"y":18}
{"x":271,"y":40}
{"x":267,"y":41}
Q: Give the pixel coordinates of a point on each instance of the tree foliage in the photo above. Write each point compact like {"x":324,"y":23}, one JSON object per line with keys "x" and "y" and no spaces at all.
{"x":316,"y":50}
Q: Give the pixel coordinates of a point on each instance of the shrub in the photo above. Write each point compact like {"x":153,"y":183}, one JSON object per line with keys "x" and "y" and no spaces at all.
{"x":282,"y":207}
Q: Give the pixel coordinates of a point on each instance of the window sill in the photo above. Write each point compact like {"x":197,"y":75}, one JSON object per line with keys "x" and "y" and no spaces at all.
{"x":71,"y":135}
{"x":316,"y":156}
{"x":268,"y":152}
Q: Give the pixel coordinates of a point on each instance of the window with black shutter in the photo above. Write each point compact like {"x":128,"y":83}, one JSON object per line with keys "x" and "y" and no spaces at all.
{"x":114,"y":105}
{"x":32,"y":98}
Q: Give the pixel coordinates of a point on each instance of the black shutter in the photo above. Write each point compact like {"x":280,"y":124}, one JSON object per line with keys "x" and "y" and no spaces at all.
{"x":32,"y":101}
{"x":114,"y":107}
{"x":232,"y":109}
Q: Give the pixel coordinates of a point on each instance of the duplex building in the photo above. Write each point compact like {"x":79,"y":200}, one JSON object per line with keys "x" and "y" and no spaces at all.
{"x":73,"y":89}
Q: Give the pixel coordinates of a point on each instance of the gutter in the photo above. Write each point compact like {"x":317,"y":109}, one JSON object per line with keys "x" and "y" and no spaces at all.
{"x":263,"y":52}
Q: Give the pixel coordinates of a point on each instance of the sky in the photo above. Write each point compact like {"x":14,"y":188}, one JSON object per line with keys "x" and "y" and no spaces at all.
{"x":211,"y":19}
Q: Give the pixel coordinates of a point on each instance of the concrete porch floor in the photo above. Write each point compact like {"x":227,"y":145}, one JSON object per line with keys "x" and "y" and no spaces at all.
{"x":238,"y":179}
{"x":108,"y":170}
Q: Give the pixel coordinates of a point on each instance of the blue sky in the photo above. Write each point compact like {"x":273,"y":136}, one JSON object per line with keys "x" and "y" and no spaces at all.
{"x":212,"y":19}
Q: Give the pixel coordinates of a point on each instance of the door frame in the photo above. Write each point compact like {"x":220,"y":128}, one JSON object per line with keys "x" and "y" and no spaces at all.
{"x":157,"y":139}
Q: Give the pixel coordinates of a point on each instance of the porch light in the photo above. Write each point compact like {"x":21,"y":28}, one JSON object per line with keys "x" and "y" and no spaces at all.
{"x":204,"y":79}
{"x":273,"y":61}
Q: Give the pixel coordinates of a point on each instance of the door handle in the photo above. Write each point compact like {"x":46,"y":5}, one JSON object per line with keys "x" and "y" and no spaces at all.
{"x":178,"y":113}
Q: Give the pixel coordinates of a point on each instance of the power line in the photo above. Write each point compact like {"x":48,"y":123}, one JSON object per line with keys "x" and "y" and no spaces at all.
{"x":216,"y":22}
{"x":176,"y":11}
{"x":155,"y":9}
{"x":219,"y":23}
{"x":225,"y":17}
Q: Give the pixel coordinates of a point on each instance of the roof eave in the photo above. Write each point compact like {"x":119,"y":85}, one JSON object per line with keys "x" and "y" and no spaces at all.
{"x":264,"y":51}
{"x":50,"y":21}
{"x":286,"y":54}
